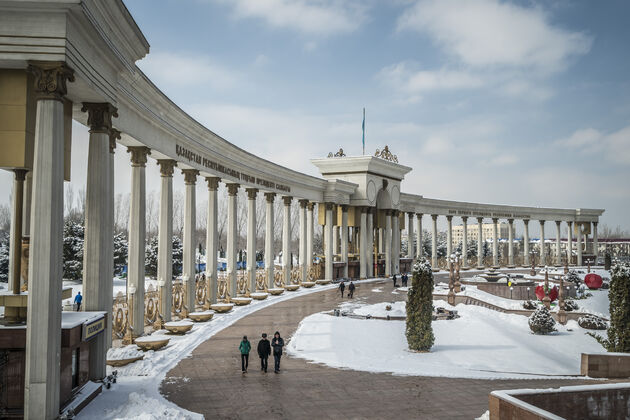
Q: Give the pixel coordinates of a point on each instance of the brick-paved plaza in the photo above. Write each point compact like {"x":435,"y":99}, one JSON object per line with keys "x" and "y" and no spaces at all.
{"x":210,"y":381}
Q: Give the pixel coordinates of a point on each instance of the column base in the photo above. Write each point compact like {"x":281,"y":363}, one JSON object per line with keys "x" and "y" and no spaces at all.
{"x":480,"y":267}
{"x":511,"y":266}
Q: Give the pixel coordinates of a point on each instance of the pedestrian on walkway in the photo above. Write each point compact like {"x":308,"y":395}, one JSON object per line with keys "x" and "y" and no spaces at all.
{"x":342,"y":287}
{"x":404,"y":280}
{"x":78,"y":299}
{"x":264,"y":350}
{"x":245,"y":347}
{"x":394,"y":278}
{"x":351,"y":288}
{"x":277,"y":343}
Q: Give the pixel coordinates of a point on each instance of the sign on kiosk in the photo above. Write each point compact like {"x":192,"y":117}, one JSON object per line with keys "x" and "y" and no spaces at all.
{"x":93,"y":328}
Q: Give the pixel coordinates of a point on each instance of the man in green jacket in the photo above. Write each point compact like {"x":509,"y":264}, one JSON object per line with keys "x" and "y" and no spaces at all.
{"x":245,"y":347}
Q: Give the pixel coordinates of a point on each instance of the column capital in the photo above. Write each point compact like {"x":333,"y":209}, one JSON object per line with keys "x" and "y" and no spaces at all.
{"x":558,"y":222}
{"x":344,"y":208}
{"x":303,"y":203}
{"x":570,"y":223}
{"x":464,"y":219}
{"x":595,"y":224}
{"x":270,"y":197}
{"x":113,"y":136}
{"x":480,"y":220}
{"x":395,"y":212}
{"x":449,"y":217}
{"x":100,"y":116}
{"x":329,"y":206}
{"x":138,"y":155}
{"x":167,"y":167}
{"x":190,"y":176}
{"x":213,"y":182}
{"x":50,"y":78}
{"x":287,"y":199}
{"x":419,"y":215}
{"x":510,"y":221}
{"x":542,"y":222}
{"x":525,"y":222}
{"x":20,"y":174}
{"x":363,"y":209}
{"x":251,"y":193}
{"x":411,"y":214}
{"x":434,"y":217}
{"x":232,"y":188}
{"x":311,"y":206}
{"x":495,"y":220}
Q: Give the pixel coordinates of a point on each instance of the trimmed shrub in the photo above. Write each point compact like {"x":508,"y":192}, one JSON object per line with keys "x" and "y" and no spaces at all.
{"x":529,"y":304}
{"x":619,"y":296}
{"x":573,"y":278}
{"x":419,"y":331}
{"x":592,"y":322}
{"x":570,"y":305}
{"x":541,"y":321}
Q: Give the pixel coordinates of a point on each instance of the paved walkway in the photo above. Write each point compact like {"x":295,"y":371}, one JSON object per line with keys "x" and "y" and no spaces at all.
{"x":210,"y":381}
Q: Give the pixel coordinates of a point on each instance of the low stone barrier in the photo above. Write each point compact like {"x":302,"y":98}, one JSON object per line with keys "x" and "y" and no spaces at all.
{"x":607,"y":401}
{"x":605,"y":365}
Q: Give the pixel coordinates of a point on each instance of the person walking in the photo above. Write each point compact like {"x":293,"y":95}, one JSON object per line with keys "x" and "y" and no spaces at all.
{"x":264,"y":350}
{"x":394,"y":279}
{"x":277,"y":343}
{"x":78,"y":299}
{"x":245,"y":347}
{"x":351,"y":288}
{"x":404,"y":280}
{"x":342,"y":287}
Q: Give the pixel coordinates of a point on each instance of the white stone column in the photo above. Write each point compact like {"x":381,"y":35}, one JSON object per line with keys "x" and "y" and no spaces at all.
{"x":511,"y":243}
{"x":251,"y":237}
{"x":109,"y":295}
{"x":303,"y":255}
{"x":363,"y":248}
{"x":465,"y":242}
{"x":449,"y":236}
{"x":420,"y":247}
{"x":269,"y":268}
{"x":395,"y":242}
{"x":558,"y":251}
{"x":328,"y":235}
{"x":26,"y":208}
{"x":579,"y":244}
{"x":231,"y":239}
{"x":495,"y":243}
{"x":309,"y":235}
{"x":137,"y":238}
{"x":388,"y":243}
{"x":165,"y":238}
{"x":344,"y":239}
{"x":15,"y":249}
{"x":480,"y":263}
{"x":212,"y":239}
{"x":526,"y":260}
{"x":97,"y":265}
{"x":43,"y":326}
{"x":434,"y":258}
{"x":286,"y":239}
{"x":190,"y":224}
{"x":411,"y":250}
{"x":541,"y":247}
{"x":370,"y":242}
{"x":569,"y":242}
{"x":595,"y":243}
{"x":335,"y":241}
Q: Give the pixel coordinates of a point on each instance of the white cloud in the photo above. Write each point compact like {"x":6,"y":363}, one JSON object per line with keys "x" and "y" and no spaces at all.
{"x":505,"y":159}
{"x":492,"y":33}
{"x":403,"y":77}
{"x":310,"y":17}
{"x":179,"y":70}
{"x":613,"y":146}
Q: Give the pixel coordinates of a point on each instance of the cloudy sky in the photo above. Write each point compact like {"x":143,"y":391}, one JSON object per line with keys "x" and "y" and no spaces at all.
{"x":512,"y":102}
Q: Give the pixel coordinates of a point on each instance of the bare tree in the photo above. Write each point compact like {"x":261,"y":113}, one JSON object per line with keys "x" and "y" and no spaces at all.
{"x":606,"y":232}
{"x":121,"y":212}
{"x":152,"y":214}
{"x":5,"y":217}
{"x":178,"y":213}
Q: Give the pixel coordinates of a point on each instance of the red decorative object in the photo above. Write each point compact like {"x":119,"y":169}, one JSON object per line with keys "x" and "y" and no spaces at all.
{"x":593,"y":281}
{"x":540,"y":292}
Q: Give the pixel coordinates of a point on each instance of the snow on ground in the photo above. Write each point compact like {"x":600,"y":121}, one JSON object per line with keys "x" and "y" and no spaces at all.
{"x":598,"y":304}
{"x":136,"y":393}
{"x":379,"y":309}
{"x":482,"y":344}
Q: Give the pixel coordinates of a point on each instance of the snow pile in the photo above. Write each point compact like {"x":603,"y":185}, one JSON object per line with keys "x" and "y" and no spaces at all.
{"x":143,"y":407}
{"x":481,"y":344}
{"x":121,"y":353}
{"x":380,"y":309}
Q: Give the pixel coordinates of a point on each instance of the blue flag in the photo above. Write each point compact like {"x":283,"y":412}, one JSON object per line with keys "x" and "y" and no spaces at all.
{"x":363,"y":127}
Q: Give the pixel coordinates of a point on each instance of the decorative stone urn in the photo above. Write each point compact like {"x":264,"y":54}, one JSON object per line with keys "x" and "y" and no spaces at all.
{"x":151,"y":342}
{"x":178,"y":327}
{"x":291,"y":287}
{"x":123,"y":362}
{"x":222,"y":307}
{"x":323,"y":281}
{"x":276,"y":290}
{"x":241,"y":301}
{"x":308,"y":284}
{"x":201,"y":316}
{"x":259,"y":295}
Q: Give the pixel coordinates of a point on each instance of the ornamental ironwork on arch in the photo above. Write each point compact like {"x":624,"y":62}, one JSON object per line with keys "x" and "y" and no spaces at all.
{"x":179,"y":295}
{"x":278,"y":278}
{"x":201,"y":290}
{"x":340,"y":153}
{"x":222,"y":287}
{"x":151,"y":305}
{"x":261,"y":280}
{"x":386,"y":155}
{"x":241,"y":283}
{"x":296,"y":275}
{"x":120,"y":316}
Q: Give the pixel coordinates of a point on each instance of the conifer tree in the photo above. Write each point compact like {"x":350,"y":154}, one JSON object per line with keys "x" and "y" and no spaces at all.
{"x":420,"y":308}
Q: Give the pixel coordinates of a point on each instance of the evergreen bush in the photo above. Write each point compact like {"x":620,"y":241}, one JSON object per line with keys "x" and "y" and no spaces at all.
{"x":541,"y":321}
{"x":592,"y":322}
{"x":420,"y":308}
{"x":529,"y":304}
{"x":619,"y":296}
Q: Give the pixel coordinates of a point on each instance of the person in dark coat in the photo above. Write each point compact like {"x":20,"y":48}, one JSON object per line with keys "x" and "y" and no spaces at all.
{"x":342,"y":287}
{"x":245,"y":347}
{"x":277,"y":343}
{"x":394,"y":279}
{"x":264,"y":350}
{"x":351,"y":288}
{"x":78,"y":299}
{"x":404,"y":280}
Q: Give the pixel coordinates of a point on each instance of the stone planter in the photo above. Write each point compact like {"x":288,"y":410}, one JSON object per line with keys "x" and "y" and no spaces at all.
{"x":123,"y":362}
{"x":323,"y":281}
{"x":291,"y":287}
{"x":259,"y":295}
{"x":241,"y":301}
{"x":178,"y":327}
{"x":201,"y":316}
{"x":308,"y":284}
{"x":276,"y":291}
{"x":222,"y":307}
{"x":151,"y":342}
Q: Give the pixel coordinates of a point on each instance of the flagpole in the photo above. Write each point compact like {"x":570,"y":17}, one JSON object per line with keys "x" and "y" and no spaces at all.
{"x":363,"y":126}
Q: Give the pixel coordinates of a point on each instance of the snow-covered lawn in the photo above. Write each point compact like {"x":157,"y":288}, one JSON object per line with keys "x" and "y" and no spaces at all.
{"x":480,"y":344}
{"x":136,"y":393}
